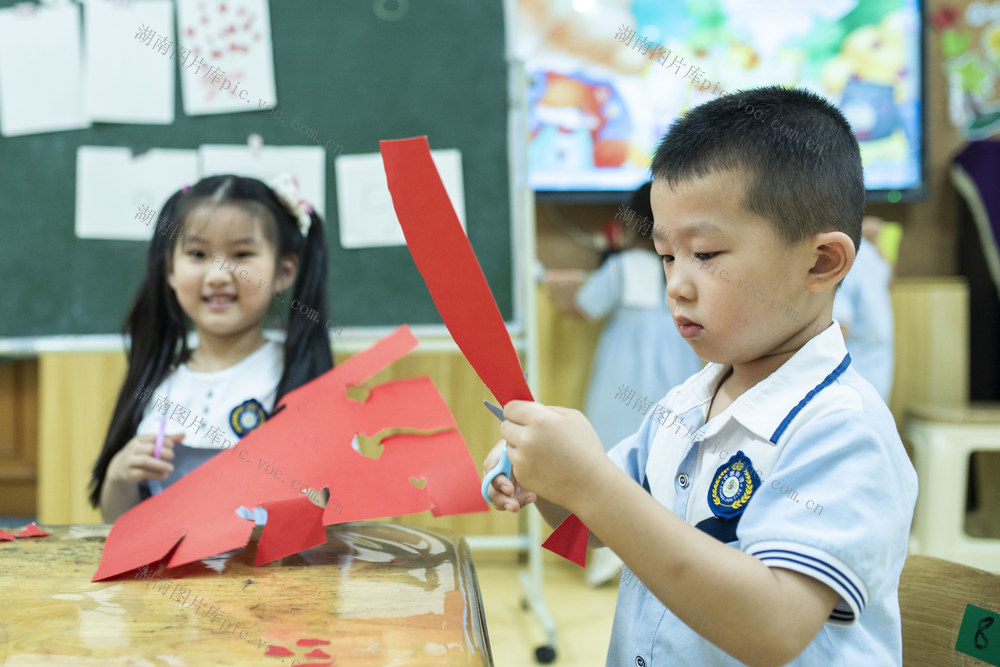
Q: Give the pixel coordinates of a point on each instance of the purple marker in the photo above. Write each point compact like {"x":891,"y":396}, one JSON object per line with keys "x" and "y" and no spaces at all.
{"x":158,"y":449}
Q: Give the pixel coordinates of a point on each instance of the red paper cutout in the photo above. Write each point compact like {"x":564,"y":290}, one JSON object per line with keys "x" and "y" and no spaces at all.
{"x":7,"y":537}
{"x":317,"y":653}
{"x":32,"y":530}
{"x":311,"y":642}
{"x":277,"y":650}
{"x":308,"y":441}
{"x":444,"y":256}
{"x":569,"y":540}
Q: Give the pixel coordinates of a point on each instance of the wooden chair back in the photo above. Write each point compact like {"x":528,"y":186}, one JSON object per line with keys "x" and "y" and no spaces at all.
{"x":933,"y":595}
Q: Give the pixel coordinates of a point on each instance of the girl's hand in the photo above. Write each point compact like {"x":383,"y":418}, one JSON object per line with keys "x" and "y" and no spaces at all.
{"x":505,"y":493}
{"x":555,"y":451}
{"x":135,"y":461}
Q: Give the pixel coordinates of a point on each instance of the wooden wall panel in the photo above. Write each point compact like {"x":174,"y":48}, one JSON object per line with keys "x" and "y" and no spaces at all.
{"x":932,"y":343}
{"x":18,"y":437}
{"x":78,"y":392}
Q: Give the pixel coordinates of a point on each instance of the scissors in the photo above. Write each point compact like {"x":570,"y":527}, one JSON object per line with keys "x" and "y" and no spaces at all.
{"x":502,"y":466}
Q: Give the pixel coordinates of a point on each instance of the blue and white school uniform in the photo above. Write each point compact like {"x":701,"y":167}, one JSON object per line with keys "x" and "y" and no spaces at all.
{"x":640,"y":349}
{"x":862,"y":304}
{"x":213,"y":409}
{"x":804,"y":471}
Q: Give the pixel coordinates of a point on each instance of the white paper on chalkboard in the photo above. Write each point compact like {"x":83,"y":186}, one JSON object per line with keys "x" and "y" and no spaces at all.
{"x":306,"y":163}
{"x":129,"y":61}
{"x":40,"y":74}
{"x":226,"y":60}
{"x":366,"y":216}
{"x":119,"y":196}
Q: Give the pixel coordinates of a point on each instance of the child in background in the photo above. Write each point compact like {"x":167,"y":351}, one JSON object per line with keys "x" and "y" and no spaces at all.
{"x":639,"y":348}
{"x":222,"y":251}
{"x":864,"y":310}
{"x":724,"y":565}
{"x":640,"y":355}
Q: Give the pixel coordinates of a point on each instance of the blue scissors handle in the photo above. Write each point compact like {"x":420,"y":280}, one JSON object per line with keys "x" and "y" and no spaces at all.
{"x":502,"y":466}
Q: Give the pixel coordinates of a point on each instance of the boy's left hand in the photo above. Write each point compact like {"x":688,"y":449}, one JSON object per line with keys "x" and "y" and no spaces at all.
{"x":555,"y":452}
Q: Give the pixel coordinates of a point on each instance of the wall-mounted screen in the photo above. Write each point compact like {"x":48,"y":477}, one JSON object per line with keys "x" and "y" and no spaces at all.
{"x":608,"y":77}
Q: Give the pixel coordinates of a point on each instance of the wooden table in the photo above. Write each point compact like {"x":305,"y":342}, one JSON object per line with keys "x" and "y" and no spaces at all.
{"x":379,"y":593}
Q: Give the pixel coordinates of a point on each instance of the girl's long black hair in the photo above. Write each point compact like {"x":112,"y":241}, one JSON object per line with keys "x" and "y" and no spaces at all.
{"x":157,"y":325}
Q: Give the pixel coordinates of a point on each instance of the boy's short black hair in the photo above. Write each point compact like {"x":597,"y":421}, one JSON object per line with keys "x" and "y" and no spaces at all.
{"x":801,"y":161}
{"x":639,"y":201}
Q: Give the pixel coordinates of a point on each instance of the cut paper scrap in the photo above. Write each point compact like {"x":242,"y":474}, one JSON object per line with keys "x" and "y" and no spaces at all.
{"x":569,"y":540}
{"x":445,"y":259}
{"x":317,"y":653}
{"x":32,"y":530}
{"x":278,"y":651}
{"x":306,"y":444}
{"x":6,"y":537}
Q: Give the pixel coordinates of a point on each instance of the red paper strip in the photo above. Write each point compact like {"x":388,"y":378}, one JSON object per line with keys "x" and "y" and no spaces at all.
{"x":32,"y":530}
{"x":442,"y":253}
{"x":445,"y":258}
{"x":569,"y":540}
{"x":311,"y":642}
{"x":6,"y":537}
{"x":307,"y":444}
{"x":277,"y":650}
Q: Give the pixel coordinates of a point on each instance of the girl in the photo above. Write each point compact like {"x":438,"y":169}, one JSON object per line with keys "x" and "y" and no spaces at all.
{"x":224,"y":249}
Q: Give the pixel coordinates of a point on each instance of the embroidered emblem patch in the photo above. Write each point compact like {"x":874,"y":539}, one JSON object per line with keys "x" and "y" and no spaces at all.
{"x":247,"y":416}
{"x":734,"y":483}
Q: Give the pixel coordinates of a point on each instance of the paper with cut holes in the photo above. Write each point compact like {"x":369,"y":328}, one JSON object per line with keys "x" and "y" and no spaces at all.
{"x":308,"y":440}
{"x":445,"y":259}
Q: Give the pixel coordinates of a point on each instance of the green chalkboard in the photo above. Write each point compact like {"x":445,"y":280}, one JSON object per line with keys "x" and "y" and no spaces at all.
{"x":356,"y":71}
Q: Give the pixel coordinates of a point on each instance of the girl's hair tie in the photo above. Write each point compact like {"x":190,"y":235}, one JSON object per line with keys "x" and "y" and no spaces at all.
{"x":185,"y":189}
{"x":286,"y":188}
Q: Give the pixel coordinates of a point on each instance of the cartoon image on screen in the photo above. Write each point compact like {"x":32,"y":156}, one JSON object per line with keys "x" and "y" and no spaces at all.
{"x":607,"y":77}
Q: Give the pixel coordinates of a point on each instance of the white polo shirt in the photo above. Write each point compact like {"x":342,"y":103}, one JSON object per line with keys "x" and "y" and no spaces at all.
{"x":804,"y":471}
{"x":213,"y":409}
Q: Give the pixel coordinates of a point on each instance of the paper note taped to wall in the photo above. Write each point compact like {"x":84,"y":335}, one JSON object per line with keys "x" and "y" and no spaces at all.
{"x":366,"y":216}
{"x":118,"y":195}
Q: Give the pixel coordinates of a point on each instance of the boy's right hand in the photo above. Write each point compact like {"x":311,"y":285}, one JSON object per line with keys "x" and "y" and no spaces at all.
{"x":135,"y":461}
{"x":505,"y":493}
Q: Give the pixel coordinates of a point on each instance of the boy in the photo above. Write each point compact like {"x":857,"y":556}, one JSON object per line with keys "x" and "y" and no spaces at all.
{"x":713,"y":508}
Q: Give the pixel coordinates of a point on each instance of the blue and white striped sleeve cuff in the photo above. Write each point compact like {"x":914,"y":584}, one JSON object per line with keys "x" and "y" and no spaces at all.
{"x":822,"y":566}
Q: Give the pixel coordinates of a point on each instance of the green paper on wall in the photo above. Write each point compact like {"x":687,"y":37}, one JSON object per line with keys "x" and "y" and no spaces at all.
{"x":979,"y":635}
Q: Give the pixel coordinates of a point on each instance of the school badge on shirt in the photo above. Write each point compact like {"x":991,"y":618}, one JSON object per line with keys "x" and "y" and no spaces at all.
{"x":247,"y":416}
{"x":734,"y":483}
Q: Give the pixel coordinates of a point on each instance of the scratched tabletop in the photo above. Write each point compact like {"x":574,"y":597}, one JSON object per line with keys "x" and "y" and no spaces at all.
{"x":375,"y":594}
